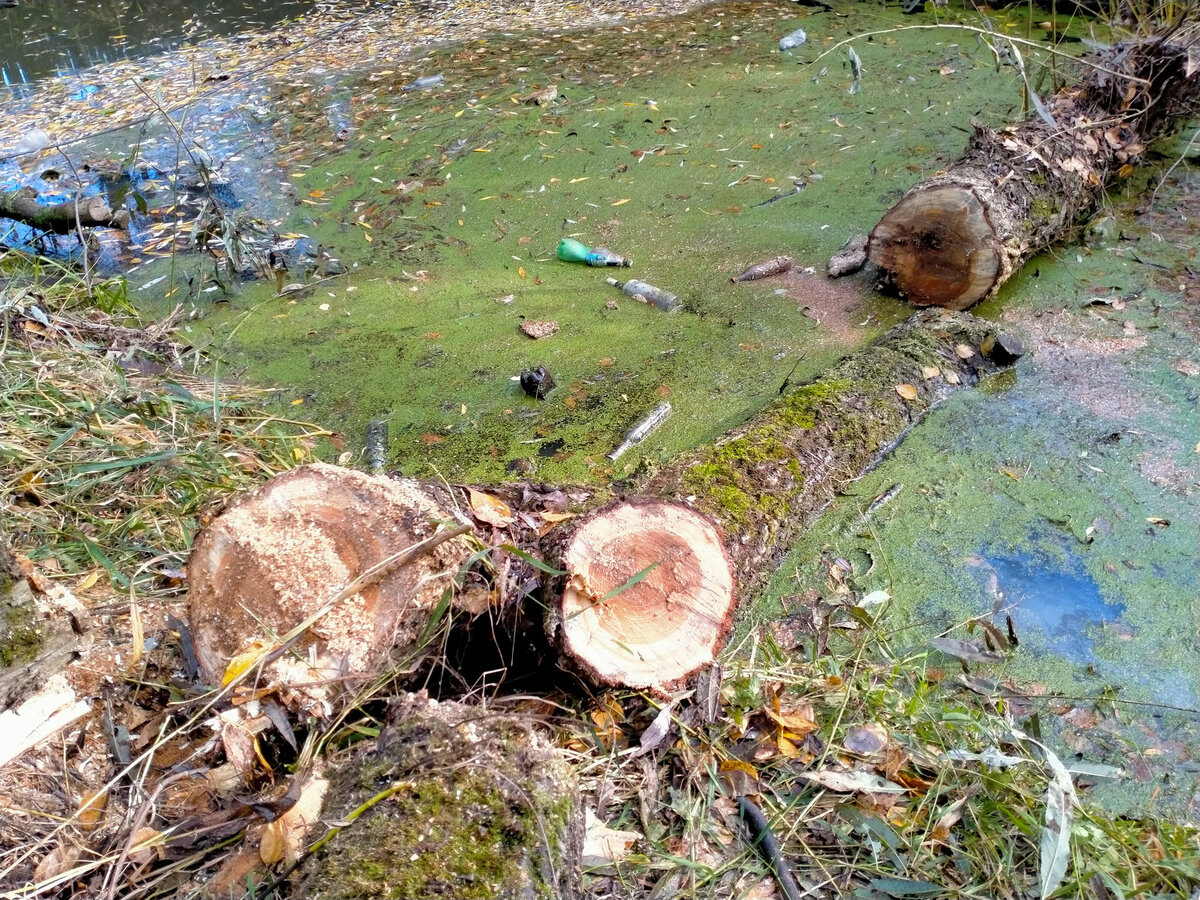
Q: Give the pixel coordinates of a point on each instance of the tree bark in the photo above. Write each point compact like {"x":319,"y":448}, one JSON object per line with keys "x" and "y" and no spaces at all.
{"x":61,"y":218}
{"x":955,"y":239}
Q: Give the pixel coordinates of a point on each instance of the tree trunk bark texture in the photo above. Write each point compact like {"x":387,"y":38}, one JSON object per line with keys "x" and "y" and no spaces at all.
{"x":955,"y":239}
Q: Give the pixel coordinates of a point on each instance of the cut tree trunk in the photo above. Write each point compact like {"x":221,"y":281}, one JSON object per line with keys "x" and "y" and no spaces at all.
{"x":326,"y":546}
{"x":61,"y":218}
{"x":650,"y":595}
{"x":651,"y":581}
{"x":955,"y":239}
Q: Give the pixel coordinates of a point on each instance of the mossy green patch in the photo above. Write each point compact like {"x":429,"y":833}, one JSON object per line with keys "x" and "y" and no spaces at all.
{"x":455,"y":802}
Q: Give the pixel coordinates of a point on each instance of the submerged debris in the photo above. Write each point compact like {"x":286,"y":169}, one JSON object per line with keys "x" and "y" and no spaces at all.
{"x":776,"y":266}
{"x":537,"y":383}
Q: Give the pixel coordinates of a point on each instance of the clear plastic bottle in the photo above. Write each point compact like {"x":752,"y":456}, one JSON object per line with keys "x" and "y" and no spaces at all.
{"x":602,"y":256}
{"x":648,"y":293}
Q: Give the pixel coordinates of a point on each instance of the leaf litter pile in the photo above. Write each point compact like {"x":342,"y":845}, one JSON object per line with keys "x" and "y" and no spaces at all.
{"x":813,"y":762}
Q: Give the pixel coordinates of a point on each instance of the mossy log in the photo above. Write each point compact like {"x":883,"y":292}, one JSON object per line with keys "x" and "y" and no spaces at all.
{"x":769,"y":479}
{"x":652,"y":579}
{"x":61,"y":218}
{"x":955,"y":239}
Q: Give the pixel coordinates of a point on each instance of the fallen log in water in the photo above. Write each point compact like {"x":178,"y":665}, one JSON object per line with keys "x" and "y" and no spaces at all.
{"x":61,"y":218}
{"x":651,"y":580}
{"x":955,"y":239}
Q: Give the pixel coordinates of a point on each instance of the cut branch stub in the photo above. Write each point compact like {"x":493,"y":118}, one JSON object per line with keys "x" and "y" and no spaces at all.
{"x":939,"y":247}
{"x":649,"y":594}
{"x":278,"y":554}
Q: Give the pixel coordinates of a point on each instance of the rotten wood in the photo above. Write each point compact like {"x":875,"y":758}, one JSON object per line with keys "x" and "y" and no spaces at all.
{"x":956,"y":238}
{"x":60,"y":218}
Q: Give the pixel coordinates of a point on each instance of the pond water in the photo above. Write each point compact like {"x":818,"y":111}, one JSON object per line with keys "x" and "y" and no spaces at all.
{"x":47,"y":38}
{"x":1061,"y":605}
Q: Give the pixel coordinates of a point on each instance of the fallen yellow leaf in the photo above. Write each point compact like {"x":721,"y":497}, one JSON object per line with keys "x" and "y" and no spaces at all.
{"x":907,"y":391}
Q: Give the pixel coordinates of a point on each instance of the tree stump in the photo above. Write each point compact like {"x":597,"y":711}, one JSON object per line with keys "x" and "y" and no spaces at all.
{"x":649,"y":595}
{"x":278,"y":554}
{"x":955,"y":239}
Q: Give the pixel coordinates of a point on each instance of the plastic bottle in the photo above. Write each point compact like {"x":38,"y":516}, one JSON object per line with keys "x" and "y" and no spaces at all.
{"x":602,"y":256}
{"x":648,"y":293}
{"x":642,"y":429}
{"x":570,"y":250}
{"x":795,"y":39}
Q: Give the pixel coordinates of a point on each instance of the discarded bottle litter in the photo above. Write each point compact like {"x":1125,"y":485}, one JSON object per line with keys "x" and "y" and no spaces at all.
{"x":424,"y":83}
{"x":537,"y":383}
{"x":795,"y":39}
{"x":642,"y":429}
{"x":769,"y":267}
{"x":570,"y":250}
{"x":602,"y":256}
{"x":377,"y":445}
{"x":648,"y":293}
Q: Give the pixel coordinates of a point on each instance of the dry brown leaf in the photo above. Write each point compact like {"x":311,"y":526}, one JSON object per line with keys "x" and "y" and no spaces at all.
{"x":290,"y":831}
{"x":239,"y":749}
{"x":245,"y":660}
{"x":230,"y":879}
{"x":929,"y":372}
{"x":952,"y":377}
{"x":489,"y":509}
{"x":907,"y":391}
{"x":608,"y":844}
{"x":59,"y":860}
{"x":865,"y":740}
{"x":145,"y":845}
{"x":964,"y":351}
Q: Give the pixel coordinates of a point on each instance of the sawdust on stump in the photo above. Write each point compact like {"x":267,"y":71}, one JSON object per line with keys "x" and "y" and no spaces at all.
{"x":649,"y":594}
{"x":279,"y":553}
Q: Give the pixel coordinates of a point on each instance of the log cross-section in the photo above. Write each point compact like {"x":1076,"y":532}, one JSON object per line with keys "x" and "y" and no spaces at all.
{"x":956,"y":238}
{"x":649,"y":594}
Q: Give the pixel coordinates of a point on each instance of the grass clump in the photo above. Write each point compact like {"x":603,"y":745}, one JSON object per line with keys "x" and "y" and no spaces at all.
{"x":113,"y":449}
{"x":880,"y":775}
